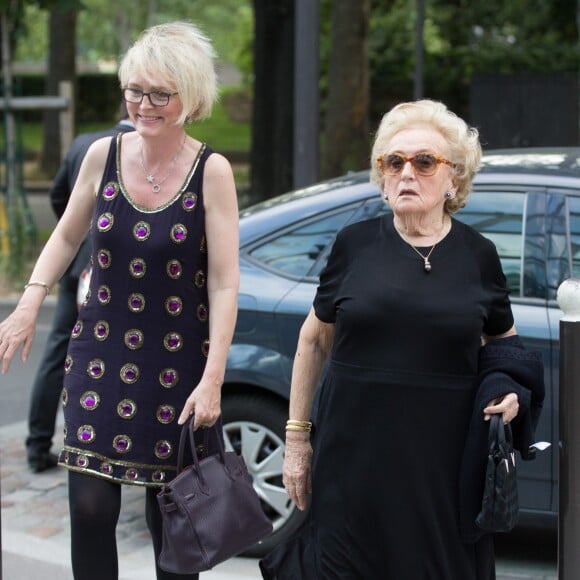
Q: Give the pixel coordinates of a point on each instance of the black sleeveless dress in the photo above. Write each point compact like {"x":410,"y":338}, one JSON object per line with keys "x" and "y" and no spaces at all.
{"x":395,"y":408}
{"x":141,"y":340}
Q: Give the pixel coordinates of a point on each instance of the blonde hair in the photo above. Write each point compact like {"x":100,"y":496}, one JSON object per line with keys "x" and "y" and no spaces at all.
{"x":179,"y":54}
{"x":463,"y":142}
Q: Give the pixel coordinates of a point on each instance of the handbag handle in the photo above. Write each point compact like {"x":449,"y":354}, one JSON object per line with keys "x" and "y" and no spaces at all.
{"x":499,"y":433}
{"x":188,"y":428}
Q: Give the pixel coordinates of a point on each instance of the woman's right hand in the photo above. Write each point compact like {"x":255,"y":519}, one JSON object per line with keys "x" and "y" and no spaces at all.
{"x":16,"y":331}
{"x":296,"y":473}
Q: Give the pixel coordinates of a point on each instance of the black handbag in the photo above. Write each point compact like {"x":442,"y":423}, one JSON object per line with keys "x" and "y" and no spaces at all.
{"x":210,"y":510}
{"x":499,"y":508}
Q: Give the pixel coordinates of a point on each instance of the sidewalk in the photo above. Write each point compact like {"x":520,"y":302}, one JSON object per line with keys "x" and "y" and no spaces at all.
{"x":35,"y":532}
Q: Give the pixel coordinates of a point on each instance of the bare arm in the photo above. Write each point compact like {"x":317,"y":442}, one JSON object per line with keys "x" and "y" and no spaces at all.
{"x":19,"y":328}
{"x":314,"y":345}
{"x":223,"y":278}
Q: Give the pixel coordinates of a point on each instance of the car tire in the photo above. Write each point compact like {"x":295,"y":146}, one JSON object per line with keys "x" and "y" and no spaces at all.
{"x":254,"y":427}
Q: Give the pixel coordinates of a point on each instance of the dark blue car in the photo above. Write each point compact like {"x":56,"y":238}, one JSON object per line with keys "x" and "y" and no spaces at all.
{"x":526,"y":201}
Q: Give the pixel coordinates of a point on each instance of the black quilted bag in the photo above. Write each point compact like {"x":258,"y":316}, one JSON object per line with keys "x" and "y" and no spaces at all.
{"x":499,"y":508}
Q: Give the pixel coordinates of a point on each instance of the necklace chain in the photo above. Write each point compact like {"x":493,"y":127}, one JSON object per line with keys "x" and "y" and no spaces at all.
{"x":427,"y":264}
{"x":155,"y":184}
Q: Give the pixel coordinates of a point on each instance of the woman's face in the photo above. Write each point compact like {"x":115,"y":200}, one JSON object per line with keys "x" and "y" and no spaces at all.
{"x":147,"y":118}
{"x":409,"y":193}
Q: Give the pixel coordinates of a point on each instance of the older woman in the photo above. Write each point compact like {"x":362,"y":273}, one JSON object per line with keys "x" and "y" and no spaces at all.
{"x":402,"y":308}
{"x":164,"y":230}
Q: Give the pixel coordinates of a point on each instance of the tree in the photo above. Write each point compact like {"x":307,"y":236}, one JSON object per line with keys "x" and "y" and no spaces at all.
{"x":347,"y":111}
{"x":272,"y":119}
{"x":61,"y":67}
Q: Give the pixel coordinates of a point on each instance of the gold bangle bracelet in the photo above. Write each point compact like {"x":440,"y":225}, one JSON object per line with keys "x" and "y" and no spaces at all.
{"x":38,"y":283}
{"x":299,"y":423}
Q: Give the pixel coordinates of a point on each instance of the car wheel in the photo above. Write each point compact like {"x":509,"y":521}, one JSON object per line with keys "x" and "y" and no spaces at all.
{"x":254,"y":427}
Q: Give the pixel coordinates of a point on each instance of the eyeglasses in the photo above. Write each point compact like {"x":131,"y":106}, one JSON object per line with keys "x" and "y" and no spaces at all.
{"x":156,"y":98}
{"x":424,"y":164}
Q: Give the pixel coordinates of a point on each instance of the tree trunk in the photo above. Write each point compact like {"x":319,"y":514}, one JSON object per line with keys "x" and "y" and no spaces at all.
{"x":273,"y":112}
{"x":61,"y":67}
{"x":347,"y":133}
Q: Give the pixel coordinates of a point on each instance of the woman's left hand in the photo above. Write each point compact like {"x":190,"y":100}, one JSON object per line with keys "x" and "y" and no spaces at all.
{"x":507,"y":405}
{"x":205,"y":403}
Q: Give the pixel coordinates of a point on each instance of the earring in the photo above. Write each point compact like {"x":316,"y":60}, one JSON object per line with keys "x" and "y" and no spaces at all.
{"x":386,"y":196}
{"x":448,"y":195}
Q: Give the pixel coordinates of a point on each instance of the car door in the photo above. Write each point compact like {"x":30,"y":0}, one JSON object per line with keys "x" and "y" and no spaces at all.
{"x":514,"y":218}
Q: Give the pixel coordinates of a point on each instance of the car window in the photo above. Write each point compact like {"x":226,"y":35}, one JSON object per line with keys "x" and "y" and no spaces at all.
{"x":499,"y":217}
{"x":296,"y":251}
{"x":574,"y":221}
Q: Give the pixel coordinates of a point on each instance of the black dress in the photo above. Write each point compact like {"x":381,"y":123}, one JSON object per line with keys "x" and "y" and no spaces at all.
{"x":141,"y":340}
{"x":395,"y":407}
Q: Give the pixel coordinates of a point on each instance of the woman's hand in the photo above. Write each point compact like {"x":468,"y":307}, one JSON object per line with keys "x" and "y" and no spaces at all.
{"x":17,"y":331}
{"x":507,"y":405}
{"x":297,"y":468}
{"x":205,"y":403}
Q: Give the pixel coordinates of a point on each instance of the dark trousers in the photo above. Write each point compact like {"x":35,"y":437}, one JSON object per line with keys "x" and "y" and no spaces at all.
{"x":47,"y":387}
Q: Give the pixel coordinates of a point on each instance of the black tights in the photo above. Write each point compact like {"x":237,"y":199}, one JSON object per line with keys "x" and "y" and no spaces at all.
{"x":94,"y":511}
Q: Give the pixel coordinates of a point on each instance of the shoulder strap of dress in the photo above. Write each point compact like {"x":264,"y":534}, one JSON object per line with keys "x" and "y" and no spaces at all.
{"x":111,"y":157}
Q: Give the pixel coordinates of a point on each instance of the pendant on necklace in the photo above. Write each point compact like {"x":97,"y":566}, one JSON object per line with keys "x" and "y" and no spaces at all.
{"x":427,"y":265}
{"x":150,"y":178}
{"x":156,"y":188}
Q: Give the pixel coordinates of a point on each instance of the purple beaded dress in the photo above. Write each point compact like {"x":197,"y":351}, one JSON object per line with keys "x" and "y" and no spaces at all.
{"x":141,"y":340}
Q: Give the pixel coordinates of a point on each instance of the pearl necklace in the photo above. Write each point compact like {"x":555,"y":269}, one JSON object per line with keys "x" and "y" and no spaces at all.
{"x":156,"y":185}
{"x":427,"y":264}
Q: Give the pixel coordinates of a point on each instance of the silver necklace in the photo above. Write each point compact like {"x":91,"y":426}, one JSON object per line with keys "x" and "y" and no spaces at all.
{"x":155,"y":184}
{"x":426,"y":263}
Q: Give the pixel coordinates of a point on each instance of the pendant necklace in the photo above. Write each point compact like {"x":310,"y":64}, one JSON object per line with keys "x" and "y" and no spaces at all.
{"x":427,"y":264}
{"x":156,"y":185}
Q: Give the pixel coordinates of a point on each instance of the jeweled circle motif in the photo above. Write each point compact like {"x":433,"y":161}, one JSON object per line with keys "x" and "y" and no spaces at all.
{"x":174,"y":305}
{"x":174,"y":269}
{"x":189,"y":201}
{"x":165,"y":414}
{"x":129,"y":373}
{"x":122,"y":443}
{"x":106,"y":468}
{"x":77,"y":329}
{"x":168,"y":378}
{"x":104,"y":294}
{"x":82,"y":461}
{"x":101,"y":330}
{"x":68,"y":364}
{"x":64,"y":397}
{"x":158,"y":476}
{"x":105,"y":222}
{"x":137,"y":267}
{"x":86,"y":434}
{"x":110,"y":190}
{"x":163,"y":449}
{"x":173,"y":341}
{"x":136,"y":302}
{"x":134,"y":339}
{"x":96,"y":368}
{"x":132,"y":474}
{"x":104,"y":258}
{"x":205,"y":347}
{"x":199,"y":279}
{"x":202,"y":312}
{"x":90,"y":400}
{"x":141,"y":231}
{"x":126,"y":409}
{"x":178,"y":233}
